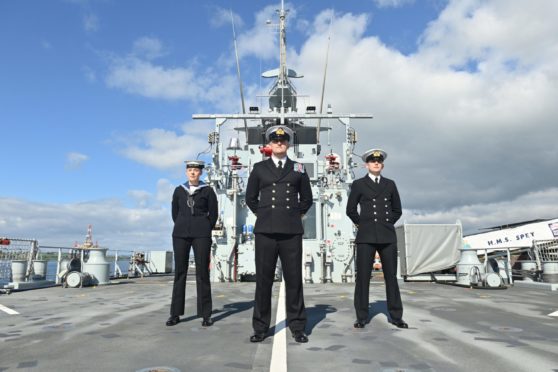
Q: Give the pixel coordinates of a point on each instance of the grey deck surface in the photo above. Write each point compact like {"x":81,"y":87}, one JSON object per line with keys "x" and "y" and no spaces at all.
{"x":121,"y":328}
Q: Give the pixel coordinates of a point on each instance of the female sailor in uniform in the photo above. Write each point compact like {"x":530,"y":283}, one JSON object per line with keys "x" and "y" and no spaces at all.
{"x":194,"y":212}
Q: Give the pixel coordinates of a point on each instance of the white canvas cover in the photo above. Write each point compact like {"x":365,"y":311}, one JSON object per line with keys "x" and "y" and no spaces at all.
{"x":426,"y":248}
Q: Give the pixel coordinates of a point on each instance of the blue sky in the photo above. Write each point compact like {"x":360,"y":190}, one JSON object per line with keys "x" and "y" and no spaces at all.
{"x":56,"y":102}
{"x":96,"y":99}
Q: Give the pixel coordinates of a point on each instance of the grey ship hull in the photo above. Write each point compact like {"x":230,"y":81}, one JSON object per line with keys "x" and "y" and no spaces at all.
{"x":121,"y":327}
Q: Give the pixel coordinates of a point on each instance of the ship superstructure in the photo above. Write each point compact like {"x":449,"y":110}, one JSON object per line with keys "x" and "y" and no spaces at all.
{"x":329,"y":236}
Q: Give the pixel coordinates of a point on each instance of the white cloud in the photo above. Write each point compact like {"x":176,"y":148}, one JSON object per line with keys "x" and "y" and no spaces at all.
{"x":164,"y":191}
{"x":530,"y":206}
{"x":148,"y":47}
{"x":61,"y":224}
{"x":90,"y":23}
{"x":222,"y":17}
{"x":260,"y":40}
{"x":74,"y":160}
{"x":456,"y":138}
{"x":164,"y":149}
{"x":141,"y":197}
{"x":392,"y":3}
{"x":495,"y":34}
{"x":138,"y":76}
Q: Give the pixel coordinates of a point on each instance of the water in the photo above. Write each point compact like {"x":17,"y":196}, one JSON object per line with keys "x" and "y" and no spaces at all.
{"x":123,"y":264}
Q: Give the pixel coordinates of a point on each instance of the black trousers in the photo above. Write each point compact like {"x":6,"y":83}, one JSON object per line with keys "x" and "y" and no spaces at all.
{"x":364,"y":261}
{"x":289,"y":249}
{"x":181,"y":247}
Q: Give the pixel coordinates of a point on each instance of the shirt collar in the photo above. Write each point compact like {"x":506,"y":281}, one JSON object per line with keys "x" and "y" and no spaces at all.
{"x":276,"y":159}
{"x":193,"y":188}
{"x":373,"y":177}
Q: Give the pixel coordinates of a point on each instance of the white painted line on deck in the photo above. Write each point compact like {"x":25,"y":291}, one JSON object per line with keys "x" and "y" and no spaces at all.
{"x":553,"y":314}
{"x":8,"y":310}
{"x":279,"y":351}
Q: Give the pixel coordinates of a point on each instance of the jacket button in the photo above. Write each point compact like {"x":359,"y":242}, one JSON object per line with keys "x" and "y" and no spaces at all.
{"x":288,"y":199}
{"x":287,"y":191}
{"x":288,"y":184}
{"x":374,"y":212}
{"x":373,"y":199}
{"x":273,"y":191}
{"x":288,"y":207}
{"x":385,"y":199}
{"x":274,"y":184}
{"x":374,"y":206}
{"x":387,"y":219}
{"x":387,"y":212}
{"x":375,"y":220}
{"x":273,"y":198}
{"x":272,"y":206}
{"x":386,"y":205}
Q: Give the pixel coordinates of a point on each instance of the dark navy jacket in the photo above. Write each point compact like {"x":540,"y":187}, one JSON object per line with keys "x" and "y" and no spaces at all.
{"x":380,"y":208}
{"x":199,"y":221}
{"x":279,"y":199}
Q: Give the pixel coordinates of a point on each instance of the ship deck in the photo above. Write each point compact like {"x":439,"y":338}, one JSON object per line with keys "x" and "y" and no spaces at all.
{"x":121,"y":327}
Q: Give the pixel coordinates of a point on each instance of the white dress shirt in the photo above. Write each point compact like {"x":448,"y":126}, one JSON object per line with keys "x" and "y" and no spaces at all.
{"x":373,"y":177}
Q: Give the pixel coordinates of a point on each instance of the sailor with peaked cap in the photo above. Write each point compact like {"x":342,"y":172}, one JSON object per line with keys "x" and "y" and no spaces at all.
{"x":279,"y":194}
{"x":279,"y":132}
{"x":380,"y":208}
{"x":194,"y":212}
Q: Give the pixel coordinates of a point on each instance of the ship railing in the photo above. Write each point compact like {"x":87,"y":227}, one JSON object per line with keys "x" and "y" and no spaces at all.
{"x":546,"y":250}
{"x":20,"y":251}
{"x":72,"y":259}
{"x":545,"y":254}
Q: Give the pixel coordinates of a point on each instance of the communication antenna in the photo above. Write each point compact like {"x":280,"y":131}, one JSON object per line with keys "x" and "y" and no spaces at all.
{"x":325,"y":75}
{"x":239,"y":77}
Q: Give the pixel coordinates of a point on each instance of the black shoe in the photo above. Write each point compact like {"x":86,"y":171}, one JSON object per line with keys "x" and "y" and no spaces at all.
{"x":300,"y":337}
{"x":399,"y":323}
{"x":257,"y":337}
{"x":173,"y":320}
{"x":359,"y":324}
{"x":207,"y":322}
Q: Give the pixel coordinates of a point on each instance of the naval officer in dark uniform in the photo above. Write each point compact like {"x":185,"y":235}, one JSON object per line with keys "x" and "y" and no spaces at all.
{"x":279,"y":194}
{"x":380,"y":208}
{"x":194,"y":212}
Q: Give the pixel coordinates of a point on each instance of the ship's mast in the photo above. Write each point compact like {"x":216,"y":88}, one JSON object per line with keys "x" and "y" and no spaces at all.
{"x":282,"y":76}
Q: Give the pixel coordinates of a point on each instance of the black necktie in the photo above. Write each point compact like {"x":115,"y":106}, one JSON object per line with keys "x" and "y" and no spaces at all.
{"x":279,"y":165}
{"x":376,"y":180}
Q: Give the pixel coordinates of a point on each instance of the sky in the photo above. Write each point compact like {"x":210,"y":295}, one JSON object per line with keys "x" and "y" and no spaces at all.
{"x":97,"y":97}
